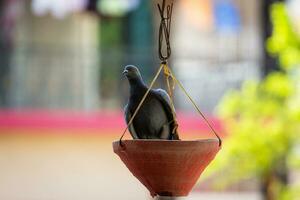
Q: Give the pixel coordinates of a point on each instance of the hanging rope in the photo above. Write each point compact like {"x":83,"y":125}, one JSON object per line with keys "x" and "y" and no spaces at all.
{"x":168,"y":76}
{"x":195,"y":105}
{"x":166,"y":12}
{"x":171,"y":80}
{"x":164,"y":38}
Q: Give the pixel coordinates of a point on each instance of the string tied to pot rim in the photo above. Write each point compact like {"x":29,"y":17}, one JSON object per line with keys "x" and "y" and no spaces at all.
{"x":167,"y":167}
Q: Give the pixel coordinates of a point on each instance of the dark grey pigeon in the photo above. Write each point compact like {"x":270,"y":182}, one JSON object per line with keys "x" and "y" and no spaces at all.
{"x":154,"y":120}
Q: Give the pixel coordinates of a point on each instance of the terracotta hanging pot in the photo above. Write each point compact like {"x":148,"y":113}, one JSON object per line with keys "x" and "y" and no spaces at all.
{"x":164,"y":167}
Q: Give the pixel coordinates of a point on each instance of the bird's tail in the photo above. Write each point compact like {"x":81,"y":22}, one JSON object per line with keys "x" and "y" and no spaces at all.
{"x":175,"y":136}
{"x":174,"y":132}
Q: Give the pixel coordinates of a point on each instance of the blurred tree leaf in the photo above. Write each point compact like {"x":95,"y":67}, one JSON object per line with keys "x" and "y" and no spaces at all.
{"x":263,"y":118}
{"x":284,"y":41}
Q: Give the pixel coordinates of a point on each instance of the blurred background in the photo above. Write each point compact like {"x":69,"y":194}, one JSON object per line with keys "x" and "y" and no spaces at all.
{"x":62,"y":94}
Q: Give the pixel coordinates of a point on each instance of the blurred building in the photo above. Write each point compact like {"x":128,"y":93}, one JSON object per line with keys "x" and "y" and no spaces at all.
{"x":54,"y":61}
{"x":217,"y":45}
{"x":71,"y":55}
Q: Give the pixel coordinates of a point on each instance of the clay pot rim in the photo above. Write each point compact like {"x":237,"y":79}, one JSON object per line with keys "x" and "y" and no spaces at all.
{"x":165,"y":144}
{"x":169,"y":141}
{"x":178,"y":143}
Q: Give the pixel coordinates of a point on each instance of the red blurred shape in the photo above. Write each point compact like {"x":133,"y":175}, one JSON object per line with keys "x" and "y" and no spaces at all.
{"x":167,"y":168}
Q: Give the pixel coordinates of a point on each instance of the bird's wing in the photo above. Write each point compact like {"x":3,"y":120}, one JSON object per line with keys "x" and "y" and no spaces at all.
{"x":164,"y":98}
{"x":127,"y":119}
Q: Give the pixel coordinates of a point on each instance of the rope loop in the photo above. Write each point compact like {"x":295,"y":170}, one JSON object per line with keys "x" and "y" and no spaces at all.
{"x":165,"y":30}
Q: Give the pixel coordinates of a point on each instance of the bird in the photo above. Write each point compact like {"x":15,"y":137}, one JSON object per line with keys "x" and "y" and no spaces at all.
{"x":154,"y":119}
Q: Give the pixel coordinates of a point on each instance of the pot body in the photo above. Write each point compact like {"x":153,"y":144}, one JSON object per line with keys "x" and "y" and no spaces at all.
{"x":165,"y":167}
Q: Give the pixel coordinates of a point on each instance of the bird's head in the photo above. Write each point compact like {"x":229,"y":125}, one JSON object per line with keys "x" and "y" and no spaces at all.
{"x":132,"y":73}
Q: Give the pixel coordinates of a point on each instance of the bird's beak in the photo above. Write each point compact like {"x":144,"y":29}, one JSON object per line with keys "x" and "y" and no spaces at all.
{"x":125,"y":72}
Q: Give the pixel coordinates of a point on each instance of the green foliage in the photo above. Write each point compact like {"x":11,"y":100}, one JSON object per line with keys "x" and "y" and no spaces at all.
{"x":260,"y":127}
{"x":262,"y":119}
{"x":284,"y":42}
{"x":289,"y":193}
